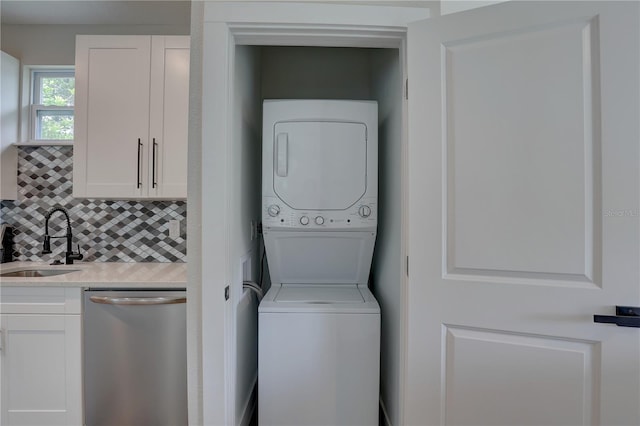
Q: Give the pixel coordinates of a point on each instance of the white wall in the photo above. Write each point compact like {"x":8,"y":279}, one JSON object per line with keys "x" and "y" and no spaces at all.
{"x":315,"y":72}
{"x":212,"y":257}
{"x":55,"y":44}
{"x":246,"y":201}
{"x":194,"y":222}
{"x":455,"y":6}
{"x":388,"y":262}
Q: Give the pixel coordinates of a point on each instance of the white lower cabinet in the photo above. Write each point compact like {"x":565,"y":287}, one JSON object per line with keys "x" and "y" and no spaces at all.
{"x":40,"y":356}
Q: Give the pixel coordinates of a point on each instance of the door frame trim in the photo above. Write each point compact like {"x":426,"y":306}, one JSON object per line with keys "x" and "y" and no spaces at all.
{"x":230,"y":24}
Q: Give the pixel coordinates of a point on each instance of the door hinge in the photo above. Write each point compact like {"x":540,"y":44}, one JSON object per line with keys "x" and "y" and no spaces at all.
{"x":226,"y":293}
{"x":406,"y":89}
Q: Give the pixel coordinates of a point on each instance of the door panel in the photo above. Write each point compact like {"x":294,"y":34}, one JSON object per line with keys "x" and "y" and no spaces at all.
{"x":523,"y":138}
{"x":488,"y":379}
{"x":537,"y":206}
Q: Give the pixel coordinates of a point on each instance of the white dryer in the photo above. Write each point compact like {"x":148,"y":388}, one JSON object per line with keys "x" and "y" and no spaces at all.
{"x":320,"y":165}
{"x":319,"y":325}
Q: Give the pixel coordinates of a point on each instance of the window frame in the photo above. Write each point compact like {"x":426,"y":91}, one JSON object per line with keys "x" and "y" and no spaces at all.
{"x":36,"y":74}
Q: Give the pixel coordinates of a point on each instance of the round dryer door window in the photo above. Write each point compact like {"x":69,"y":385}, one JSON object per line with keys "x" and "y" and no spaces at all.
{"x":320,"y":165}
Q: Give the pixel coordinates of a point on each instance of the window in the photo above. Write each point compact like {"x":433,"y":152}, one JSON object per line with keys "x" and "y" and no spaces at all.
{"x":52,"y":104}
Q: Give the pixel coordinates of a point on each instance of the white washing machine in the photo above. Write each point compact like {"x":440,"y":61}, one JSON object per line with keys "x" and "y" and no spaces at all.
{"x":319,"y":325}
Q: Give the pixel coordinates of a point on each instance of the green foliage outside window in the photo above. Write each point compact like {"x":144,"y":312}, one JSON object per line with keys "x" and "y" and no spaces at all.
{"x":56,"y":124}
{"x":58,"y":91}
{"x":56,"y":127}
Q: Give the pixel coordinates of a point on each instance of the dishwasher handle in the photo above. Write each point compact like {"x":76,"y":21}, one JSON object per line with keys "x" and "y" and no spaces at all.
{"x":161,"y":300}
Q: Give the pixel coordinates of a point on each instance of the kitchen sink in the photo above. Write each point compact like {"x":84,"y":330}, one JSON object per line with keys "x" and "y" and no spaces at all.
{"x":37,"y":273}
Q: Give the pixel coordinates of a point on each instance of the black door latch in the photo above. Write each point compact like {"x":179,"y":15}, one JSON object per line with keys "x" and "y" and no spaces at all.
{"x":626,"y":316}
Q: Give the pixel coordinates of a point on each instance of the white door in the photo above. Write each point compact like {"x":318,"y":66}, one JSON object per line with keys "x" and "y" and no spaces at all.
{"x":524,"y":215}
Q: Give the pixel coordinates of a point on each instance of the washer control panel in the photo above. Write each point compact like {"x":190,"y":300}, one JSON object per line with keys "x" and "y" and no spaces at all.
{"x":276,"y":214}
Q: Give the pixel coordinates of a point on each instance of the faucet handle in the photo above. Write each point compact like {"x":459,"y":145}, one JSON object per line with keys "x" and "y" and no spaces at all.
{"x":46,"y":247}
{"x":79,"y":255}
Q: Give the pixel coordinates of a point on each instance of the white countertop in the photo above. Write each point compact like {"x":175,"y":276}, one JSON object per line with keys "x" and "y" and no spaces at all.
{"x":103,"y":275}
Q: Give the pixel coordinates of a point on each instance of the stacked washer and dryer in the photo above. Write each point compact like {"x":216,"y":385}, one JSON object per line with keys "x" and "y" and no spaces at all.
{"x":319,"y":325}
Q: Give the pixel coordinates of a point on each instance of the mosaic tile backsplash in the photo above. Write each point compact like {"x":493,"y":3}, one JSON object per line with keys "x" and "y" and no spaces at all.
{"x":107,"y":231}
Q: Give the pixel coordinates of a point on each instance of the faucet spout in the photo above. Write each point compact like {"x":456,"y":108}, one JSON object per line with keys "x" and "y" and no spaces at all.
{"x":70,"y":256}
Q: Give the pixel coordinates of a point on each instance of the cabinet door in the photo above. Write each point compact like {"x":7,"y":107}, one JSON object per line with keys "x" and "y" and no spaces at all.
{"x":112,"y":116}
{"x":169,"y":111}
{"x":9,"y":108}
{"x":40,"y":368}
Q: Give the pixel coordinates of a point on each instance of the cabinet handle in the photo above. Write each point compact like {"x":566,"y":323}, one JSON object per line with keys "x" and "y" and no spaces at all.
{"x":139,"y":156}
{"x":137,"y":300}
{"x":154,"y":182}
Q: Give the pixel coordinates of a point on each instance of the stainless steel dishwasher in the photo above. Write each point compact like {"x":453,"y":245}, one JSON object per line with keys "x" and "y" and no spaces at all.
{"x":135,"y":357}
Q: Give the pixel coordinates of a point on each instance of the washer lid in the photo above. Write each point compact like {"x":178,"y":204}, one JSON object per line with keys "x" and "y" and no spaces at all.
{"x":320,"y":164}
{"x":318,"y":299}
{"x":318,"y":294}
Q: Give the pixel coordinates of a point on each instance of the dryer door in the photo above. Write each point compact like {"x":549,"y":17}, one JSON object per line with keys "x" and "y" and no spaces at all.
{"x":320,"y":165}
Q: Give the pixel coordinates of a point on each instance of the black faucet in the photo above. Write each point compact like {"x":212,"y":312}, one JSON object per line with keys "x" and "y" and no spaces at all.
{"x":70,"y":256}
{"x":7,"y":243}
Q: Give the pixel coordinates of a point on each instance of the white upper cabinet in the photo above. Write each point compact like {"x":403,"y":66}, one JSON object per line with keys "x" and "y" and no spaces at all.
{"x":168,"y":121}
{"x":9,"y":106}
{"x":131,"y":117}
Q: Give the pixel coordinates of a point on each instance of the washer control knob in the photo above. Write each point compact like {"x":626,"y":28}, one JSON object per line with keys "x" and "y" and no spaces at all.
{"x":364,"y":211}
{"x":273,"y":210}
{"x":304,"y":220}
{"x":319,"y":220}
